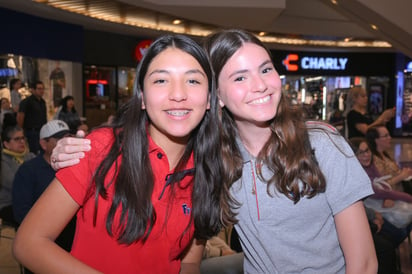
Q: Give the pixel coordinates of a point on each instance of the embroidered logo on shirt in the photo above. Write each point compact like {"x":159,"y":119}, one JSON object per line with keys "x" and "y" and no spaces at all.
{"x":186,"y":209}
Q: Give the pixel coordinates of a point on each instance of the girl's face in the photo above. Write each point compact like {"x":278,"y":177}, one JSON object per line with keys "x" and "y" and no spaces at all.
{"x":383,"y":142}
{"x":70,"y":104}
{"x":175,"y":95}
{"x":17,"y":142}
{"x":364,"y":154}
{"x":249,"y":85}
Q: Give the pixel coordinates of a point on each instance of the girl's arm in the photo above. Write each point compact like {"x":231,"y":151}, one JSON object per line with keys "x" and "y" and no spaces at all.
{"x":34,"y":244}
{"x":193,"y":257}
{"x":356,"y":240}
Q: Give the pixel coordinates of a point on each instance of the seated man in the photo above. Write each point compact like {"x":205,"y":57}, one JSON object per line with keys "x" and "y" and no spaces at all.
{"x":34,"y":176}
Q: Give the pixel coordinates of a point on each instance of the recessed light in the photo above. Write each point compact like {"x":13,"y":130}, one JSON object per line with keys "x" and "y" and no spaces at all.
{"x":177,"y":22}
{"x":374,"y":27}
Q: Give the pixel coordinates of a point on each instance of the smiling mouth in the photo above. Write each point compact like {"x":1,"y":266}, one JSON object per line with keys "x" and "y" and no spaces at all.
{"x":260,"y":100}
{"x":177,"y":113}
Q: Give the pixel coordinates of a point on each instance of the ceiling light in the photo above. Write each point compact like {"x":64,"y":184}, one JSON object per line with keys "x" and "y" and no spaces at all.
{"x":262,"y":33}
{"x":177,"y":22}
{"x":374,"y":27}
{"x":335,"y":2}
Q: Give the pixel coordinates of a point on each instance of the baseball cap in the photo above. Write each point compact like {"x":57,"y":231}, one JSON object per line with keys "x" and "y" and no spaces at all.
{"x":54,"y":129}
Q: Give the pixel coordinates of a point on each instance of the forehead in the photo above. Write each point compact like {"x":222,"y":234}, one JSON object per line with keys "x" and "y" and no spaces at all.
{"x":363,"y":145}
{"x":17,"y":133}
{"x":248,"y":55}
{"x":382,"y":130}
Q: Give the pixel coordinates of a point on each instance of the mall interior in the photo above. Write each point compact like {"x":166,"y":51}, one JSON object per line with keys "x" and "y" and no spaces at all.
{"x":321,"y":48}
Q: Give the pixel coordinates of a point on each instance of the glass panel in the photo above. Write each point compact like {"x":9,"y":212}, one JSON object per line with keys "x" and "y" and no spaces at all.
{"x":100,"y":94}
{"x":126,"y":78}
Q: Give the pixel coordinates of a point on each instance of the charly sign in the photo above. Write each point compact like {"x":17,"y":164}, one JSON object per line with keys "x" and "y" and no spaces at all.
{"x":294,"y":62}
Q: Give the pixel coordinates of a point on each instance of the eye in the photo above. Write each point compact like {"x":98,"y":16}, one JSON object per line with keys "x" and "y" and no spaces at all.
{"x":240,"y":78}
{"x":194,"y":82}
{"x":159,"y":81}
{"x":267,"y":70}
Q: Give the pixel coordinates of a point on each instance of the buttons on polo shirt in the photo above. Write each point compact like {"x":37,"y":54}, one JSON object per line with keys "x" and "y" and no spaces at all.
{"x":159,"y":155}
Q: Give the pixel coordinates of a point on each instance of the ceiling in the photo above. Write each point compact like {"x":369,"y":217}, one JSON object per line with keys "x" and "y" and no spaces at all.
{"x":309,"y":20}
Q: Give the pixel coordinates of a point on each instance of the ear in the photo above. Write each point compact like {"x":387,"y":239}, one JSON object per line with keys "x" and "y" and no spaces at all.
{"x":143,"y":105}
{"x":221,"y":104}
{"x":43,"y":144}
{"x":6,"y":144}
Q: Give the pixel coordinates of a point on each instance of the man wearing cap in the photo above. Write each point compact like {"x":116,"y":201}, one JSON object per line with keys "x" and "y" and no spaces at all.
{"x":33,"y":177}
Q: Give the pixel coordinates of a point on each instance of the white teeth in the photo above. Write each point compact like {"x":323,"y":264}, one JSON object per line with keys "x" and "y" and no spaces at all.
{"x":177,"y":112}
{"x":260,"y":100}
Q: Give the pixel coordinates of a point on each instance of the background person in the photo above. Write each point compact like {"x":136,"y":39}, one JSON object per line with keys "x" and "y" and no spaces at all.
{"x":357,"y":117}
{"x":379,"y":141}
{"x":34,"y":176}
{"x":32,"y":115}
{"x":15,"y":96}
{"x":13,"y":154}
{"x":69,"y":114}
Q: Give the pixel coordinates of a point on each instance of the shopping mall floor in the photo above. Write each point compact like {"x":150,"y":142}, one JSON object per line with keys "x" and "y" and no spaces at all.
{"x":402,"y":152}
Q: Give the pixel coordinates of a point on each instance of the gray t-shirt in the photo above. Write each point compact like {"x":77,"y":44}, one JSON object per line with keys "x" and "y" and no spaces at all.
{"x":302,"y":237}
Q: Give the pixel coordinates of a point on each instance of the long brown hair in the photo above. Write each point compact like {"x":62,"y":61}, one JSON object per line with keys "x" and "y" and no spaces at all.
{"x":287,"y":153}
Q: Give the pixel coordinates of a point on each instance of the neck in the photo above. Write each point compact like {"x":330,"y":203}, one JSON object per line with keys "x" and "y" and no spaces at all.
{"x":359,"y":109}
{"x":46,"y":157}
{"x":253,"y":137}
{"x":173,"y":147}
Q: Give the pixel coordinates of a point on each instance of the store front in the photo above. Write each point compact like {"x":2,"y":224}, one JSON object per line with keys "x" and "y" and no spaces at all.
{"x":35,"y":49}
{"x":403,"y":121}
{"x":109,"y":72}
{"x":320,"y":80}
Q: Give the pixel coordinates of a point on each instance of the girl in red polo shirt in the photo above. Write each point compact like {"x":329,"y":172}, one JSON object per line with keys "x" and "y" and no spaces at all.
{"x":141,"y":205}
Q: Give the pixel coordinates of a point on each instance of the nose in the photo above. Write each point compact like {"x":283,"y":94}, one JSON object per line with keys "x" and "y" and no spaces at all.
{"x":258,"y":83}
{"x":178,"y":92}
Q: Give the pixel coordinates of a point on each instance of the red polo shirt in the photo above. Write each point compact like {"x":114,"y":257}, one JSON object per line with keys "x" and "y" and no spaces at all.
{"x":92,"y":244}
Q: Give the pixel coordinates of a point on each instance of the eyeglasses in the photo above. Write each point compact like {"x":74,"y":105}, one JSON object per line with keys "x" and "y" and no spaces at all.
{"x":363,"y":152}
{"x":18,"y":139}
{"x":385,"y":136}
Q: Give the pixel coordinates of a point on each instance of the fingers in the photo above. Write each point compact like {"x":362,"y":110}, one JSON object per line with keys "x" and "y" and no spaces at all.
{"x":80,"y":134}
{"x":68,"y":152}
{"x":58,"y":165}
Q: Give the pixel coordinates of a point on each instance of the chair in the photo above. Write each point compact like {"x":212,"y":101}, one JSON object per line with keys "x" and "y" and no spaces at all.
{"x":4,"y":224}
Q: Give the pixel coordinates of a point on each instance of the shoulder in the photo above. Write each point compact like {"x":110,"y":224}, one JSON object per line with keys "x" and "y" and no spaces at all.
{"x":320,"y":125}
{"x":101,"y":138}
{"x":326,"y":138}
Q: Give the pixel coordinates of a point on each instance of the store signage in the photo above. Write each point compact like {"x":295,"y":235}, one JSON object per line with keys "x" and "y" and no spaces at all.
{"x":293,"y":62}
{"x":8,"y":72}
{"x":141,"y":48}
{"x":409,"y":67}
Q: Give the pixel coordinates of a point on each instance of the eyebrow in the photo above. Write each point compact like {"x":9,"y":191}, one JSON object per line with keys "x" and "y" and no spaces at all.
{"x":191,"y":71}
{"x":246,"y":70}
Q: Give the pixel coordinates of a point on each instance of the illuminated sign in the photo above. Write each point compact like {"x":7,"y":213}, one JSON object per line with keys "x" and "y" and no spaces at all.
{"x":141,"y":48}
{"x":409,"y":67}
{"x":8,"y":72}
{"x":292,"y":62}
